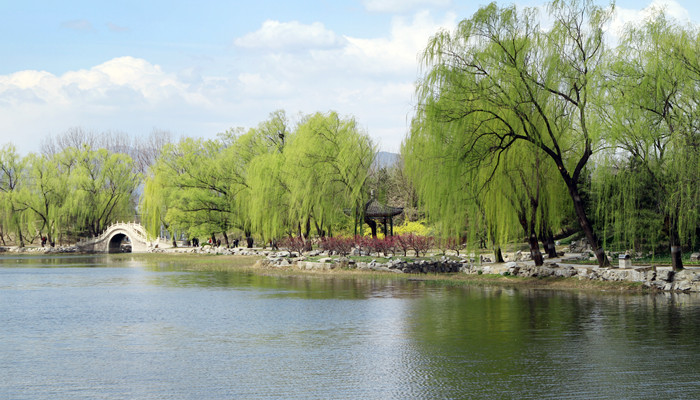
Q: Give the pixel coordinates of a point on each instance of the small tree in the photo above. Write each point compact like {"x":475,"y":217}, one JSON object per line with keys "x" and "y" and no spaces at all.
{"x":421,"y":244}
{"x":403,"y":242}
{"x":454,"y":244}
{"x":294,"y":244}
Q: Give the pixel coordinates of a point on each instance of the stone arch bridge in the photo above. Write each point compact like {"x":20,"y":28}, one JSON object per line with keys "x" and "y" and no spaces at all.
{"x":121,"y":237}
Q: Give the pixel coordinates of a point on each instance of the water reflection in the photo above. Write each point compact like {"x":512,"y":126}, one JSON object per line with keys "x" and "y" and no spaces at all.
{"x":543,"y":344}
{"x":135,"y":329}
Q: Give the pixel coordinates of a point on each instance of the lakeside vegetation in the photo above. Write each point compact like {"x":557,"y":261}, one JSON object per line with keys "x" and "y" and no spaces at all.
{"x":241,"y":264}
{"x":523,"y":132}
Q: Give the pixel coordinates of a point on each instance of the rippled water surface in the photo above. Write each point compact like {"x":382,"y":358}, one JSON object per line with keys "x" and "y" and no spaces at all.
{"x":100,"y":327}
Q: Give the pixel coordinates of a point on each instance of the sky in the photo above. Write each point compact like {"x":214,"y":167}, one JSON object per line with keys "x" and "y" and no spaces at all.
{"x":198,"y":68}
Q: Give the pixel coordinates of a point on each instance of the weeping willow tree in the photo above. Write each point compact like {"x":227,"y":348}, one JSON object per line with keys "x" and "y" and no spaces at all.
{"x":654,"y":116}
{"x":454,"y":193}
{"x":46,"y":192}
{"x":12,"y":179}
{"x":533,"y":191}
{"x":327,"y":165}
{"x":500,"y":79}
{"x":268,"y":208}
{"x":191,"y":189}
{"x":102,"y":185}
{"x":264,"y":200}
{"x":517,"y":196}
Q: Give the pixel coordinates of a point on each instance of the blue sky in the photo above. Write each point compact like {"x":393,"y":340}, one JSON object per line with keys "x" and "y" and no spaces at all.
{"x":196,"y":68}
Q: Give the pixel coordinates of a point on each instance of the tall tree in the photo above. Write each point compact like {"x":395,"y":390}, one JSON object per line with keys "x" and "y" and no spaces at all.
{"x":502,"y":78}
{"x":46,"y":192}
{"x":653,"y":89}
{"x":103,"y":184}
{"x":264,"y":197}
{"x":190,"y":189}
{"x":327,"y":165}
{"x":12,"y":177}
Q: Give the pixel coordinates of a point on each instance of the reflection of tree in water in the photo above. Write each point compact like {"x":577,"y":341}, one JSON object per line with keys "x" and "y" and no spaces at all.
{"x":538,"y":344}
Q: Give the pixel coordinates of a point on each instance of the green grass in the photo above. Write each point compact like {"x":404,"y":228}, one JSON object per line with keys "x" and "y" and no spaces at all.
{"x":567,"y":240}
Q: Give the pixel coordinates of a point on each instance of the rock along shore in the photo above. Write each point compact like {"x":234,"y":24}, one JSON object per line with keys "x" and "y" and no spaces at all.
{"x":655,"y":278}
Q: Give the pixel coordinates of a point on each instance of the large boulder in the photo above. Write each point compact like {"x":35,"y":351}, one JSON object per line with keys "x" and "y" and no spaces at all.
{"x":664,"y":275}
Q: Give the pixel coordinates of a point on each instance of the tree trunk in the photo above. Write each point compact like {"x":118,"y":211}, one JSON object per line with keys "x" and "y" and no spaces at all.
{"x":535,"y":249}
{"x":498,"y":255}
{"x":675,"y":242}
{"x":225,"y":238}
{"x":586,"y":225}
{"x":548,"y":242}
{"x":372,"y":225}
{"x":307,"y":235}
{"x":529,"y":228}
{"x":319,"y":230}
{"x":249,"y":239}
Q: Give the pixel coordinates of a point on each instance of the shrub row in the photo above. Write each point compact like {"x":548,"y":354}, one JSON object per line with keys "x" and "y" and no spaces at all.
{"x":390,"y":245}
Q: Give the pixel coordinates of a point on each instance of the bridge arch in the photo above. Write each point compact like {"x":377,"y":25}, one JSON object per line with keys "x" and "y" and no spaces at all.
{"x":116,"y":238}
{"x":120,"y":242}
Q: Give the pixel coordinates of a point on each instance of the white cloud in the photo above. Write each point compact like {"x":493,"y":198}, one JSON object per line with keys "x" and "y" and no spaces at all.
{"x":275,"y":35}
{"x":369,"y":78}
{"x":125,"y":93}
{"x":625,"y":16}
{"x":259,"y":86}
{"x":399,"y":52}
{"x":98,"y":84}
{"x":401,"y":6}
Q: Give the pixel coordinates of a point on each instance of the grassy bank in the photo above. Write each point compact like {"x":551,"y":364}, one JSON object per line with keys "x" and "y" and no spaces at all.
{"x":199,"y":262}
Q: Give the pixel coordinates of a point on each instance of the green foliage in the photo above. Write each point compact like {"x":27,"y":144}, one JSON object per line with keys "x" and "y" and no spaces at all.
{"x":77,"y":191}
{"x":192,"y":188}
{"x":649,"y":190}
{"x":102,"y":185}
{"x":327,"y":165}
{"x":497,"y":127}
{"x":271,"y":181}
{"x":513,"y":118}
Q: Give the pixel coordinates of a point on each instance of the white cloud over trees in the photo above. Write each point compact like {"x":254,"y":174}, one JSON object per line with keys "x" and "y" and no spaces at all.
{"x":276,"y":35}
{"x":280,"y":65}
{"x":401,"y":6}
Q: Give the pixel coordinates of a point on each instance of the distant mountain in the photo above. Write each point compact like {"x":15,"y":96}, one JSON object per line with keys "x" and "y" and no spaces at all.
{"x":386,"y":160}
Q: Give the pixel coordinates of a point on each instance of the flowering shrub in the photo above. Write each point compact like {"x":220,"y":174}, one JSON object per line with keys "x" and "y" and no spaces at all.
{"x":411,"y":227}
{"x":455,"y":244}
{"x":384,"y":245}
{"x":365,"y":243}
{"x":368,"y":244}
{"x":294,"y":244}
{"x":451,"y":243}
{"x":402,"y":242}
{"x":419,"y":244}
{"x":339,"y":245}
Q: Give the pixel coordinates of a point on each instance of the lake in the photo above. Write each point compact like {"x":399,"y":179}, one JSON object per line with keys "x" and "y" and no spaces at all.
{"x":102,"y":327}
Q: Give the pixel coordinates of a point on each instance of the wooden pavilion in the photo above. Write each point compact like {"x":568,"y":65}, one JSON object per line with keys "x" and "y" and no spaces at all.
{"x":376,"y":212}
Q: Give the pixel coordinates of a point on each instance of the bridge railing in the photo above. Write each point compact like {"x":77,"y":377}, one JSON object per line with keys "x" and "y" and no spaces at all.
{"x":132,"y":226}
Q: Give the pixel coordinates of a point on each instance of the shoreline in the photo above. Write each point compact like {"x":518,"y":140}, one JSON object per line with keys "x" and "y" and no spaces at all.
{"x":555,"y":274}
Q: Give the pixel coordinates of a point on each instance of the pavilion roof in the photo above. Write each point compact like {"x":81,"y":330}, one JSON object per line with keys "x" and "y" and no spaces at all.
{"x":375,"y":209}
